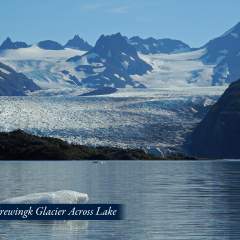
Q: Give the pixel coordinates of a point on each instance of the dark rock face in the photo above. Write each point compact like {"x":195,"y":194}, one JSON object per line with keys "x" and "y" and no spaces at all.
{"x":218,"y":134}
{"x":13,"y":83}
{"x":78,"y":43}
{"x":100,"y":91}
{"x":153,"y":46}
{"x":21,"y":44}
{"x":50,"y":45}
{"x":117,"y":59}
{"x":8,"y":44}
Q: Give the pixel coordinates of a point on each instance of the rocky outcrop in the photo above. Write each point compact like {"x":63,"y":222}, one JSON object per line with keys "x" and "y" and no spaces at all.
{"x":19,"y":145}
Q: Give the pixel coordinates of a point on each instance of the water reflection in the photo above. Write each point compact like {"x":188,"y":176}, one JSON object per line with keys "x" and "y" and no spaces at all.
{"x":163,"y":200}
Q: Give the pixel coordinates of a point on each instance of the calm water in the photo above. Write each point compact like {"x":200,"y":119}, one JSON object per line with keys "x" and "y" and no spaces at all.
{"x":163,"y":200}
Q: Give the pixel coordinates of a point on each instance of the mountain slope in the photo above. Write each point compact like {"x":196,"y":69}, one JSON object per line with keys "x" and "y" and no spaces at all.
{"x":78,"y":43}
{"x":218,"y":134}
{"x":13,"y":83}
{"x":154,"y":46}
{"x":224,"y":52}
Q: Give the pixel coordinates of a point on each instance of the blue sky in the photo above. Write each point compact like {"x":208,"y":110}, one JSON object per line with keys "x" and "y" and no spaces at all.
{"x":195,"y":22}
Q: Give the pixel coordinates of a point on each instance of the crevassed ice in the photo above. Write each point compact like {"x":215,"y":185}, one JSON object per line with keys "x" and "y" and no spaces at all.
{"x":59,"y":197}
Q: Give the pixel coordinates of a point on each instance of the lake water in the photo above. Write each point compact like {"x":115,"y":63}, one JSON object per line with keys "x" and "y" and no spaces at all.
{"x":163,"y":199}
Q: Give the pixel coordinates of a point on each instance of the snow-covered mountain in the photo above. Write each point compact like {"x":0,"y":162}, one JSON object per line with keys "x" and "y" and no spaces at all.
{"x":110,"y":63}
{"x":155,"y":46}
{"x":116,"y":61}
{"x":224,"y":53}
{"x":78,"y":43}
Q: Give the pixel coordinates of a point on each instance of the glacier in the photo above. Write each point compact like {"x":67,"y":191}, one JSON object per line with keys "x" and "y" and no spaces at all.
{"x":148,"y":118}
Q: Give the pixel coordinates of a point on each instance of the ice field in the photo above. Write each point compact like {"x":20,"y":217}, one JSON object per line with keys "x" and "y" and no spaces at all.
{"x":134,"y":118}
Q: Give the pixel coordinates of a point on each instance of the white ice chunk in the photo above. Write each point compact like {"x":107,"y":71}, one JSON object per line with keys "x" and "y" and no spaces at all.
{"x":5,"y":71}
{"x":60,"y":197}
{"x":124,"y":54}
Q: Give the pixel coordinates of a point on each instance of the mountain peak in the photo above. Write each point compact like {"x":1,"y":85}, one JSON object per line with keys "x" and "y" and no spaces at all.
{"x":8,"y":44}
{"x":234,"y":31}
{"x":78,"y":43}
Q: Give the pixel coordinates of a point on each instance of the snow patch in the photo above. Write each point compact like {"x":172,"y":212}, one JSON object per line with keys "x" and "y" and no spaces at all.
{"x":235,"y":35}
{"x":223,"y":70}
{"x":146,"y":46}
{"x":103,"y":59}
{"x":5,"y":71}
{"x":109,"y":53}
{"x":116,"y":75}
{"x":106,"y":78}
{"x":125,"y":64}
{"x":224,"y":51}
{"x":36,"y":53}
{"x":72,"y":47}
{"x":130,"y":42}
{"x":124,"y":54}
{"x":154,"y":44}
{"x":99,"y":70}
{"x":92,"y":55}
{"x":132,"y":58}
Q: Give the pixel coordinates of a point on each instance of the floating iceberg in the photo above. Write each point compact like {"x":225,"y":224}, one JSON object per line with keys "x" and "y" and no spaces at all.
{"x":60,"y":197}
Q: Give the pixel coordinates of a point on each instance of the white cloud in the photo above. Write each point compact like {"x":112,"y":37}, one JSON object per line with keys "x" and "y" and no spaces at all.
{"x":118,"y":10}
{"x":94,"y":6}
{"x":141,"y":19}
